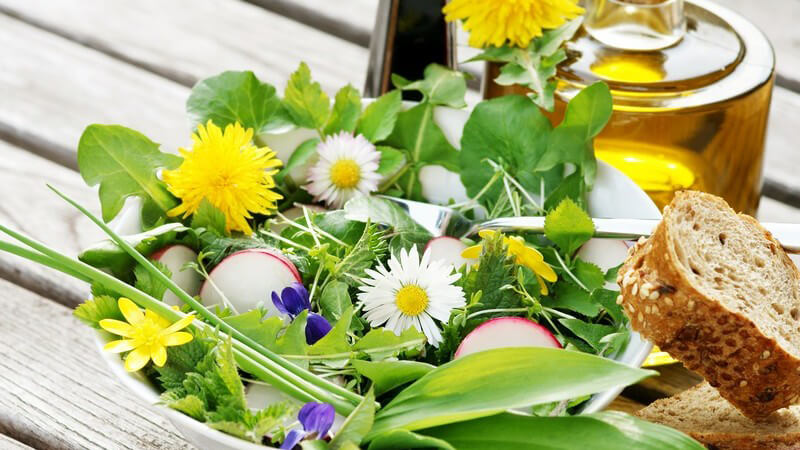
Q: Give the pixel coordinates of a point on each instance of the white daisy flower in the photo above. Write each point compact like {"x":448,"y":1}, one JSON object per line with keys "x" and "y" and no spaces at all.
{"x":347,"y":166}
{"x":412,"y":292}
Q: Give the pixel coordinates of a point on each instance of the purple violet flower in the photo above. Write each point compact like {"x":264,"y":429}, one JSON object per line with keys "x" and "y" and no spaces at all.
{"x":292,"y":301}
{"x":316,"y":418}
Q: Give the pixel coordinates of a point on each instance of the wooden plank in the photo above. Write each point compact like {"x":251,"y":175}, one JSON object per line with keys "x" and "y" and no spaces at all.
{"x":672,"y":379}
{"x":186,"y":40}
{"x":27,"y":205}
{"x":12,"y":444}
{"x":56,"y":392}
{"x":625,"y":404}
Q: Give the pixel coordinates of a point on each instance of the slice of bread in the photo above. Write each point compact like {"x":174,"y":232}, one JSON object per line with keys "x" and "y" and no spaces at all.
{"x":716,"y":291}
{"x":704,"y":415}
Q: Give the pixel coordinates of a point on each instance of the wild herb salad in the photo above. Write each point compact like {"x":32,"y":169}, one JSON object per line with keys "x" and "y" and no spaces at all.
{"x":271,"y":266}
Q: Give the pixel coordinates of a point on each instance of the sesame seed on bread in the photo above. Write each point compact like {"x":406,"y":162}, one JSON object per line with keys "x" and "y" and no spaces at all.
{"x":716,"y":291}
{"x":704,"y":415}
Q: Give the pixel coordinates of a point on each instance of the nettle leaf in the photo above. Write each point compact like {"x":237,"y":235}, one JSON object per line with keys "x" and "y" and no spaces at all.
{"x":124,"y":163}
{"x":512,"y":132}
{"x":232,"y":97}
{"x":209,"y":217}
{"x":305,"y":101}
{"x":100,"y":307}
{"x":609,"y":430}
{"x":346,"y":110}
{"x":573,"y":139}
{"x":440,"y":86}
{"x":568,"y":226}
{"x":148,"y":283}
{"x":379,"y":118}
{"x":590,"y":275}
{"x":387,"y":375}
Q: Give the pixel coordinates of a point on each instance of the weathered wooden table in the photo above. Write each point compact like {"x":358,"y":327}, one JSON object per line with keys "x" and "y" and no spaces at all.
{"x":69,"y":63}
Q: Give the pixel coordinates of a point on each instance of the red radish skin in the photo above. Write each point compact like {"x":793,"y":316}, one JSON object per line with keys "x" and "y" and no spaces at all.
{"x":448,"y":249}
{"x":504,"y":332}
{"x":248,"y":277}
{"x":606,"y":254}
{"x":175,"y":257}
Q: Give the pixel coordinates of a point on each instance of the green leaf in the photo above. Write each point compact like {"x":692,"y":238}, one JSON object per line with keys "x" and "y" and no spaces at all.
{"x":334,"y":300}
{"x":232,"y":97}
{"x":346,"y":111}
{"x":265,"y":331}
{"x":379,"y":118}
{"x":124,"y":163}
{"x":108,"y":255}
{"x":381,"y":343}
{"x":316,"y":444}
{"x":600,"y":431}
{"x":148,"y":283}
{"x":210,"y":218}
{"x":440,"y":86}
{"x":392,"y":160}
{"x":573,"y":139}
{"x":421,"y":137}
{"x":489,"y":382}
{"x":572,"y":187}
{"x":590,"y":275}
{"x":568,"y":226}
{"x":608,"y":299}
{"x":100,"y":307}
{"x":305,"y":101}
{"x":512,"y":132}
{"x":573,"y":298}
{"x":385,"y":212}
{"x":403,"y":439}
{"x":191,"y":405}
{"x":357,"y":424}
{"x":300,"y":156}
{"x":387,"y":375}
{"x":336,"y":339}
{"x":370,"y":247}
{"x":293,"y":340}
{"x":591,"y":333}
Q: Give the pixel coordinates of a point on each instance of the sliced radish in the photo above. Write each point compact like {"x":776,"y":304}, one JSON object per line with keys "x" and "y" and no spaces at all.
{"x":606,"y":254}
{"x":505,"y":332}
{"x":249,"y":277}
{"x":175,"y":257}
{"x":448,"y":249}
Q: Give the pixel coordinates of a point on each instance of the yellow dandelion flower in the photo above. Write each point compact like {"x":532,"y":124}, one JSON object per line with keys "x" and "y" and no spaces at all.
{"x":495,"y":22}
{"x":523,"y":255}
{"x":147,"y":335}
{"x":229,"y":171}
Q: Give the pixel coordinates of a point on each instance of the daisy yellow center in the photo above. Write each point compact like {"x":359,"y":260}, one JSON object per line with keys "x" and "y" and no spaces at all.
{"x":345,"y":174}
{"x":411,"y":300}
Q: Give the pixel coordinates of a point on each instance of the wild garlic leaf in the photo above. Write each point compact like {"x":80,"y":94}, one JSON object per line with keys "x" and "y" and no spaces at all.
{"x":304,"y":100}
{"x":568,"y":226}
{"x":232,"y":97}
{"x":379,"y":117}
{"x":125,"y":163}
{"x":357,"y":424}
{"x":387,"y":375}
{"x":346,"y":111}
{"x":96,"y":309}
{"x":210,"y":218}
{"x":511,"y":132}
{"x":440,"y":86}
{"x":148,"y":283}
{"x":572,"y":141}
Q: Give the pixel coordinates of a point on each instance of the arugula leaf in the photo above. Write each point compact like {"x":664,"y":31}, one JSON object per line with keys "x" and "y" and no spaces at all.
{"x":510,"y":131}
{"x":210,"y":218}
{"x":387,"y":375}
{"x":232,"y":97}
{"x":440,"y":86}
{"x":108,"y":255}
{"x":378,"y":119}
{"x":381,"y":343}
{"x":357,"y":424}
{"x":304,"y":100}
{"x":148,"y":283}
{"x":346,"y":110}
{"x":568,"y":226}
{"x":124,"y":163}
{"x":98,"y":308}
{"x":573,"y":139}
{"x":334,"y":300}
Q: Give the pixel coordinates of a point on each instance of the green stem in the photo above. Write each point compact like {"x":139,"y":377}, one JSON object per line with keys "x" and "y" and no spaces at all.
{"x":397,"y":175}
{"x":497,"y":310}
{"x":347,"y":355}
{"x":41,"y":259}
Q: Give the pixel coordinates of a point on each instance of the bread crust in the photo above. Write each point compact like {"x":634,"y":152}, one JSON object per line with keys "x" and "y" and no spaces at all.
{"x":748,"y":368}
{"x":726,"y":441}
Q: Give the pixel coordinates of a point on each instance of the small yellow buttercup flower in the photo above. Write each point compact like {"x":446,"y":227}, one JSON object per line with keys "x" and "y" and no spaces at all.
{"x":230,"y":172}
{"x":495,"y":22}
{"x":523,"y":255}
{"x":147,"y":335}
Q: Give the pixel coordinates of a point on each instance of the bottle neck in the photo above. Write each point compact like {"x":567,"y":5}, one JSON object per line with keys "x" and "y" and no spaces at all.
{"x":639,"y":25}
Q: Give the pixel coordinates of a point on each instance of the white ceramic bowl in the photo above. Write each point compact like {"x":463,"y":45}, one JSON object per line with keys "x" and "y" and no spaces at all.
{"x":614,"y":196}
